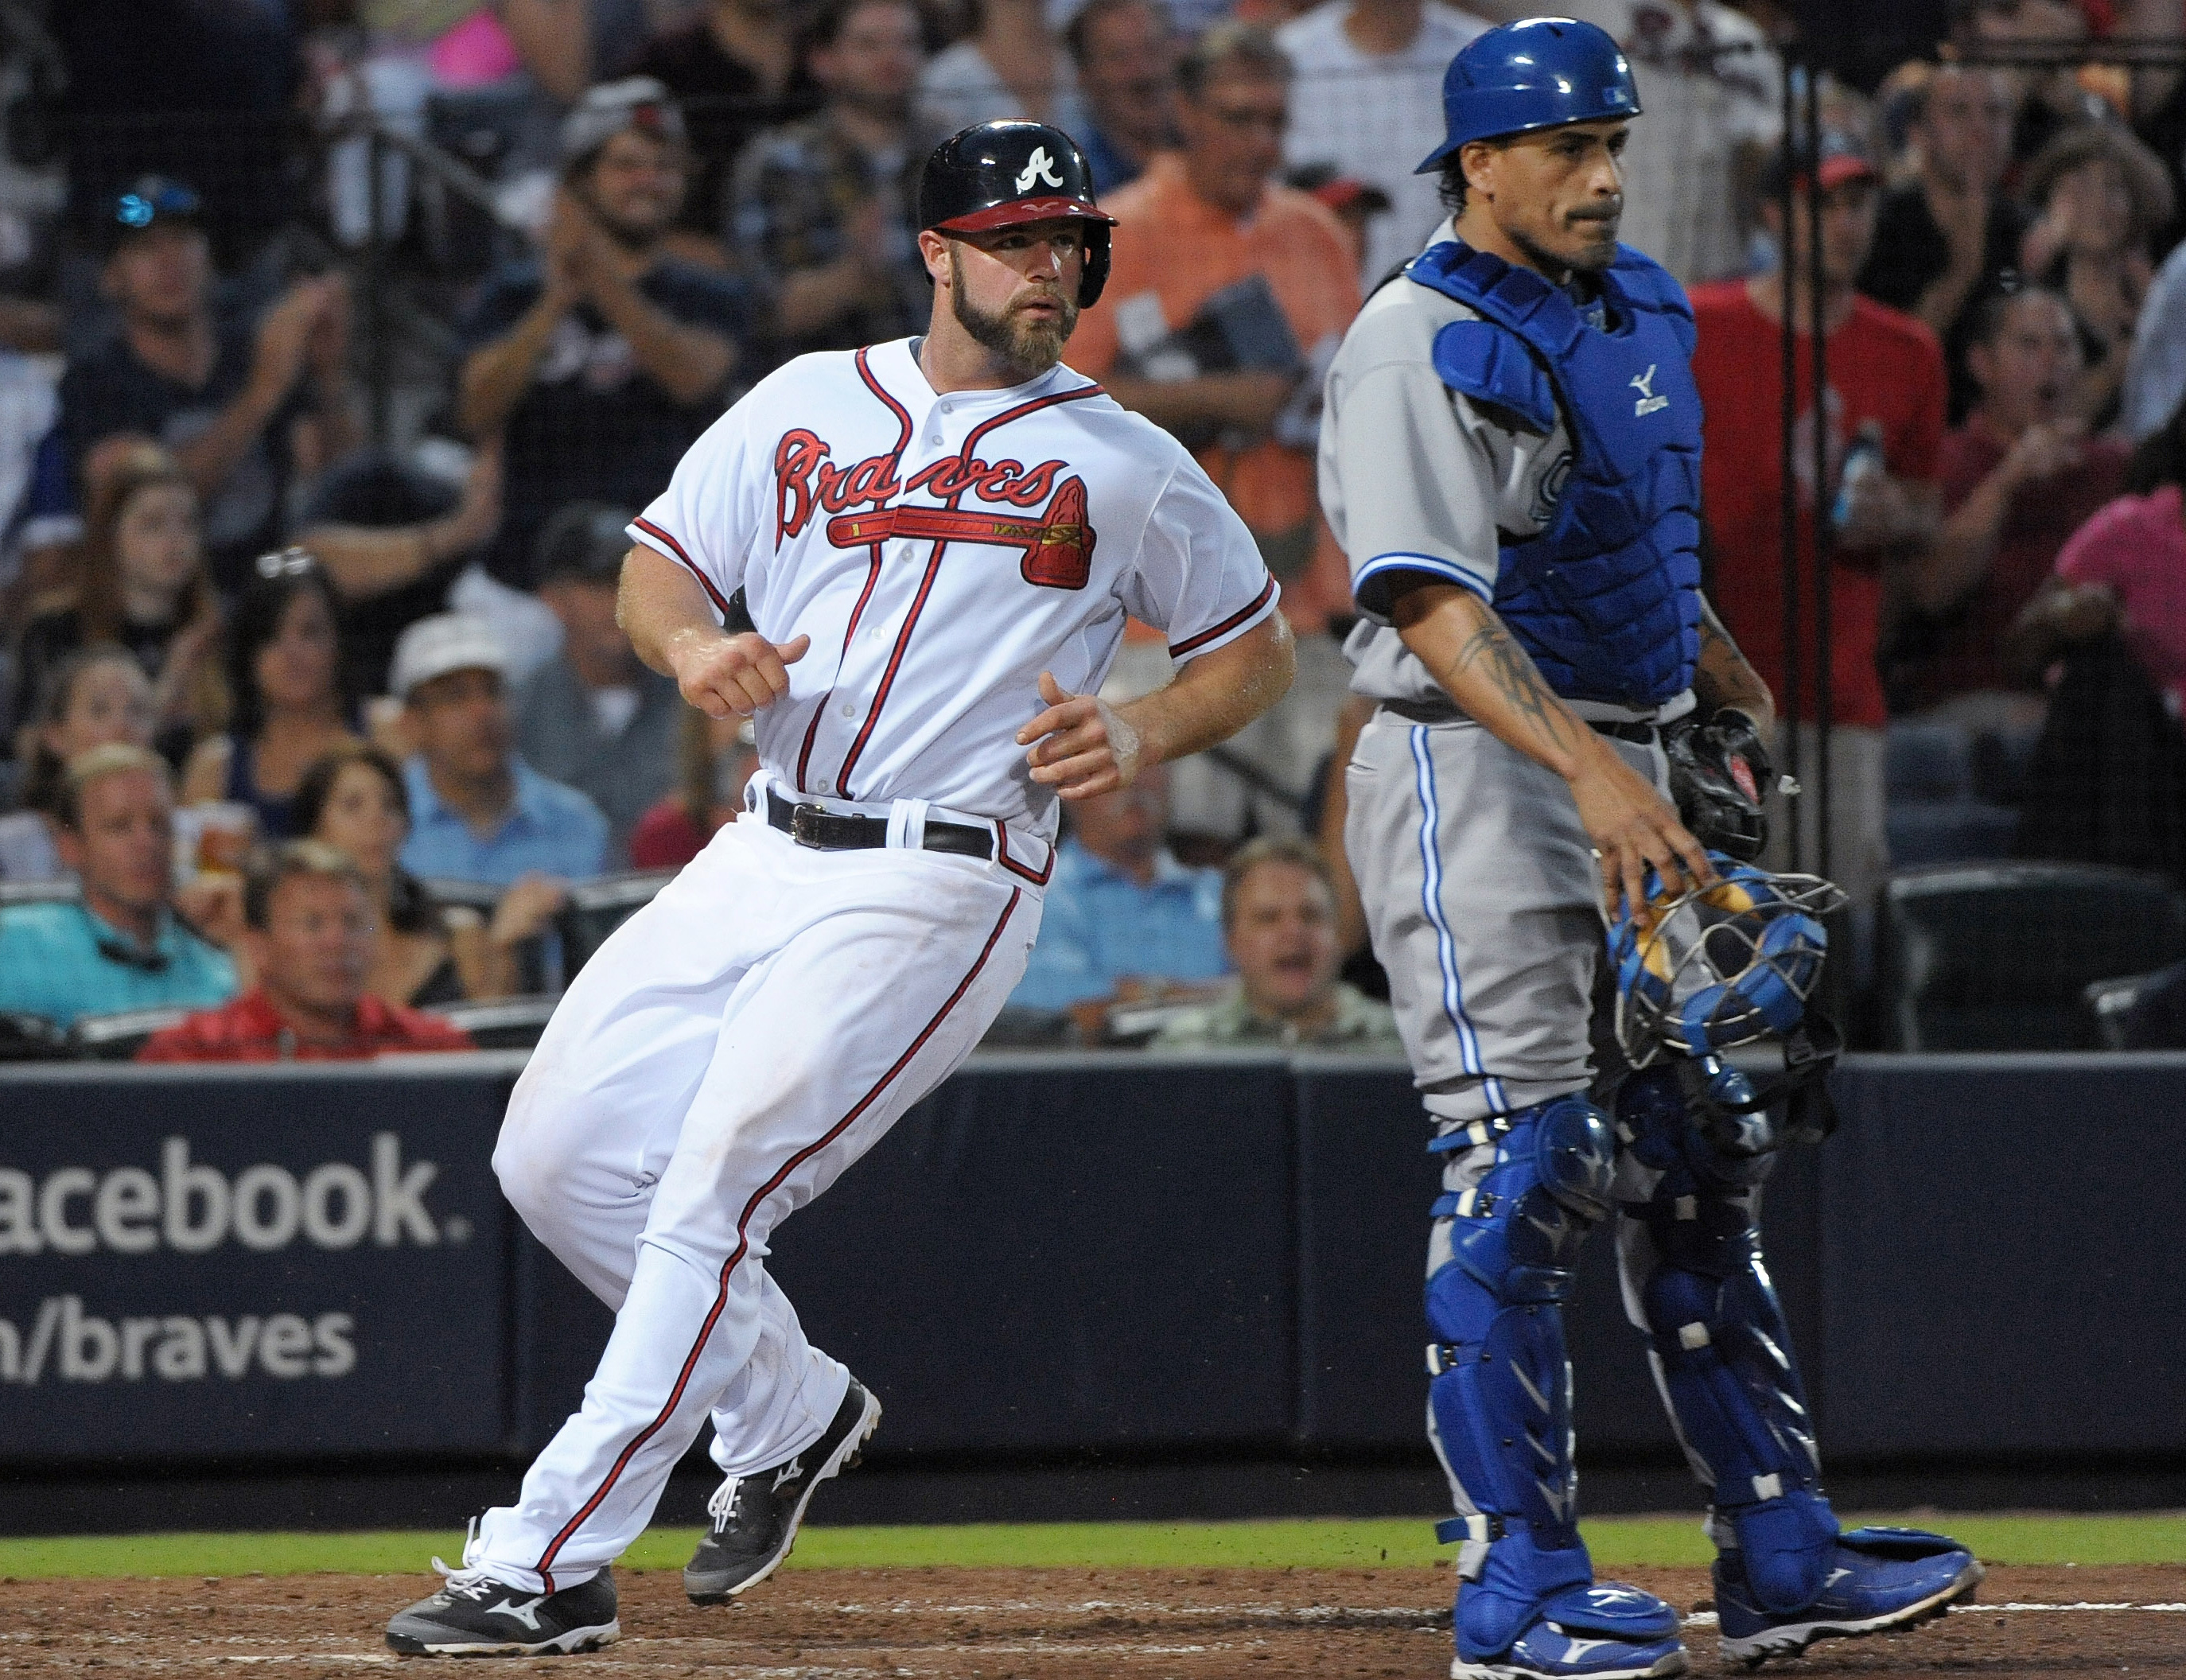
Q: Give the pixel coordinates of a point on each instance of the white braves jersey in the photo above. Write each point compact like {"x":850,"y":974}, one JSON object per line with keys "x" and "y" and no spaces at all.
{"x":942,"y":551}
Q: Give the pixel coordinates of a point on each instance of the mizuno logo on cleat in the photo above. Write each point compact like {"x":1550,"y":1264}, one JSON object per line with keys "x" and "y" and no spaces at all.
{"x":528,"y":1614}
{"x":789,"y":1472}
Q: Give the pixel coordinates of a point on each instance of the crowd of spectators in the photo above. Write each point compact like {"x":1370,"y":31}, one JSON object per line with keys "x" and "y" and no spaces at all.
{"x":312,"y":501}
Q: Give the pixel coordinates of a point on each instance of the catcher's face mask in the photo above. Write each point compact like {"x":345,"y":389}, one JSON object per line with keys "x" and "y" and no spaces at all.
{"x":1704,"y":971}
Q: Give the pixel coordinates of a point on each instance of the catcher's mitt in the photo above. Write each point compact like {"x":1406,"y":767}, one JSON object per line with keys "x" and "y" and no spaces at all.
{"x":1720,"y":771}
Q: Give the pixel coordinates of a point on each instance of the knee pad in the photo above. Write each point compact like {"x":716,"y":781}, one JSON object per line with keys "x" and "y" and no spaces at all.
{"x":1501,"y":1389}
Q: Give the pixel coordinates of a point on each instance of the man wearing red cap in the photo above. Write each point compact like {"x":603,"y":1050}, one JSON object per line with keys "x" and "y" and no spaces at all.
{"x":1885,"y":392}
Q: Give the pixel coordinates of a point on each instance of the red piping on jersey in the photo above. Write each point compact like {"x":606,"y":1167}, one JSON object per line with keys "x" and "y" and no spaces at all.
{"x":1002,"y":857}
{"x":735,"y":1256}
{"x":1226,"y":626}
{"x":872,"y":571}
{"x":819,"y":711}
{"x":675,"y":548}
{"x":933,"y":565}
{"x":902,"y":414}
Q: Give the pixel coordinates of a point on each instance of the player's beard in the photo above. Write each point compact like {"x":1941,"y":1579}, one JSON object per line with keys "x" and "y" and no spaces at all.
{"x":1034,"y":346}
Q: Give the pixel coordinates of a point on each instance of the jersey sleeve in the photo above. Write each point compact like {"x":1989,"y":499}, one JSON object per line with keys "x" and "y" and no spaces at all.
{"x":713,"y":508}
{"x":1199,"y":577}
{"x":1413,"y":489}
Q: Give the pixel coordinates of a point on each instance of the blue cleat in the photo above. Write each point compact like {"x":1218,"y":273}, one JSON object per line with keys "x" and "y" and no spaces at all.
{"x":1588,"y":1631}
{"x":1879,"y":1579}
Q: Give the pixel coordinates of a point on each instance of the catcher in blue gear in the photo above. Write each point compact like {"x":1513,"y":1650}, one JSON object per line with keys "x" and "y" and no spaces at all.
{"x":1510,"y":457}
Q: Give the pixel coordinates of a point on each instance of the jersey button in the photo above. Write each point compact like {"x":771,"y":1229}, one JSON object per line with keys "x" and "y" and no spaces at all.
{"x":826,"y":788}
{"x":850,"y":711}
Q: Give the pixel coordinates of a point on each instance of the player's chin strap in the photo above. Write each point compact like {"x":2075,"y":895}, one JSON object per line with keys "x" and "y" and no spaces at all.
{"x":1735,"y":1104}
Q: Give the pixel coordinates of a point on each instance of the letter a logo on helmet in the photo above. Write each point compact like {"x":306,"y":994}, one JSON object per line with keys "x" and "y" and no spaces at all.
{"x":1040,"y":167}
{"x":1004,"y":174}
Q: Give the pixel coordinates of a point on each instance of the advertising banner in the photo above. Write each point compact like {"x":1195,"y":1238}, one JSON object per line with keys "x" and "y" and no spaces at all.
{"x":255,"y":1261}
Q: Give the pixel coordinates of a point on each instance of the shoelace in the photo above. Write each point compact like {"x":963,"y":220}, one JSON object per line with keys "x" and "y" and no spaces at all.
{"x":464,"y":1582}
{"x":723,"y":1501}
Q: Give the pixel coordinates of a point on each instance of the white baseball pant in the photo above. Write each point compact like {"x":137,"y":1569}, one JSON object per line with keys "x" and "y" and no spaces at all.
{"x":721,"y":1060}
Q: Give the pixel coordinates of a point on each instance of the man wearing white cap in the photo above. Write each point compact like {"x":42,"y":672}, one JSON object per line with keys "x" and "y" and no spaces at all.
{"x":479,"y":813}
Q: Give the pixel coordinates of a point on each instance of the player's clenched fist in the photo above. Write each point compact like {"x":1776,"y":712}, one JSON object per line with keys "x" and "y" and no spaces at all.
{"x":1080,"y":745}
{"x":724,"y":675}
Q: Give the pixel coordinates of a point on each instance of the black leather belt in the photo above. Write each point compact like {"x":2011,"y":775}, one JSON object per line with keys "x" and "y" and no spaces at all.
{"x":1638,"y":734}
{"x":827,"y":830}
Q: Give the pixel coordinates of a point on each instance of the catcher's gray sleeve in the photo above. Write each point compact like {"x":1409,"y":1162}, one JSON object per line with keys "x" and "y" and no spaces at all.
{"x":1414,"y":478}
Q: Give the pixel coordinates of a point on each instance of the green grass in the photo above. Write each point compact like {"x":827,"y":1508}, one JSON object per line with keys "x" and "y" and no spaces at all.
{"x":1617,"y":1543}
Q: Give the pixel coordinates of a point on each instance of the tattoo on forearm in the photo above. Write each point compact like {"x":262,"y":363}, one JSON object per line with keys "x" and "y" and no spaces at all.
{"x":1507,"y":666}
{"x":1723,"y":672}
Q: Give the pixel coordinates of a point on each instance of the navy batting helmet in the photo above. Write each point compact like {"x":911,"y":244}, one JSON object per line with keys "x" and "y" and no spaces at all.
{"x":1542,"y":73}
{"x":1000,"y":174}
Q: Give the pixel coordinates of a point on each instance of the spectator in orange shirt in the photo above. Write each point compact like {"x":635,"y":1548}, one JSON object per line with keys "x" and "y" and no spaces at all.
{"x":311,"y":938}
{"x":1228,"y":297}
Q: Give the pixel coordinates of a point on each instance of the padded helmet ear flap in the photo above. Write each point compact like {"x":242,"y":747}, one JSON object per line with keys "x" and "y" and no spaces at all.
{"x":1093,"y":278}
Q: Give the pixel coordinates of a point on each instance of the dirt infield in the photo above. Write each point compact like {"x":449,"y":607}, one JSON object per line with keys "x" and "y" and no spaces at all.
{"x":1073,"y":1624}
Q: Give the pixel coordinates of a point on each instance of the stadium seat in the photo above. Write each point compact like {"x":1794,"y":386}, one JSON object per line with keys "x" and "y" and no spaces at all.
{"x":118,"y":1037}
{"x":1995,"y":956}
{"x":597,"y":908}
{"x":1923,"y":831}
{"x":1017,"y":1028}
{"x":499,"y":1024}
{"x":1927,"y":761}
{"x":31,"y":1038}
{"x":2141,"y":1011}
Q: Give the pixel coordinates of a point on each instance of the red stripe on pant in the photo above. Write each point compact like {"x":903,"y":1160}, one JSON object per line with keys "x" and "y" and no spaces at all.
{"x":721,"y":1298}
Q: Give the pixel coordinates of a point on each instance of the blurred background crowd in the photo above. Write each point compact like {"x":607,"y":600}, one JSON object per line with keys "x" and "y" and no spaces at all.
{"x":339,"y":340}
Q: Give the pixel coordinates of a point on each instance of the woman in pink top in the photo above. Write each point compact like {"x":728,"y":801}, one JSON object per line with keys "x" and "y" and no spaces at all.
{"x":2123,"y":570}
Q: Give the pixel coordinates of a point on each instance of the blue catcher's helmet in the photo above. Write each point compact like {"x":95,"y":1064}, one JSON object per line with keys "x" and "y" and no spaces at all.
{"x":1708,"y":969}
{"x":1542,"y":73}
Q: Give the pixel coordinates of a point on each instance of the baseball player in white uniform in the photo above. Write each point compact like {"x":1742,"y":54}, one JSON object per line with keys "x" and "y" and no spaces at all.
{"x":935,"y":543}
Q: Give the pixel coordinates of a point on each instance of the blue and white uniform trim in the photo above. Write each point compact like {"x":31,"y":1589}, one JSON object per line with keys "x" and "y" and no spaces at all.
{"x":1383,"y":565}
{"x":1452,"y":990}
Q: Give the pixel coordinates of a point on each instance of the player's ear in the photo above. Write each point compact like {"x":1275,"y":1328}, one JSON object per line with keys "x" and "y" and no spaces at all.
{"x":1478,"y":158}
{"x":934,"y":248}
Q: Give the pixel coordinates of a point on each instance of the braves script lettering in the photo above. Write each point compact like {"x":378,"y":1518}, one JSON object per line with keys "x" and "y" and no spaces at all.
{"x":806,"y":481}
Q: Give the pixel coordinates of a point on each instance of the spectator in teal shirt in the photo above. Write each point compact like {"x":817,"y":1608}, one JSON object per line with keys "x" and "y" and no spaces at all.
{"x":121,"y":947}
{"x":1124,"y":918}
{"x":479,"y":812}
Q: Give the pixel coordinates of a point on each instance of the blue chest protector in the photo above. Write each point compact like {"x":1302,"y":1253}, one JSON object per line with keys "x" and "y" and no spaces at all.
{"x":1607,"y":598}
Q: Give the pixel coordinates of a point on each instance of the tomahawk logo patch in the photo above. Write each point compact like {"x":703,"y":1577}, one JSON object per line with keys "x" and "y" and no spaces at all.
{"x":1040,"y":167}
{"x":1649,"y":402}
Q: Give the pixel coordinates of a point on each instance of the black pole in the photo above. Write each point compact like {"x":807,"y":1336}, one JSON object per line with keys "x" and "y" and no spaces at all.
{"x":1825,"y":501}
{"x":1788,"y":702}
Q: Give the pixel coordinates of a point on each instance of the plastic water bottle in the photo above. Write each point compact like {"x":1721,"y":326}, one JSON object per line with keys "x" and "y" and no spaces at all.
{"x":1862,"y":458}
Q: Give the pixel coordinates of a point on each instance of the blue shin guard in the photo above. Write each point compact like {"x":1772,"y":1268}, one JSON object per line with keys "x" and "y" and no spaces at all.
{"x":1721,"y":1349}
{"x":1500,"y":1401}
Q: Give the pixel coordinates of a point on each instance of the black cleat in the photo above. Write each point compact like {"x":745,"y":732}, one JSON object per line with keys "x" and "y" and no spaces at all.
{"x":473,"y":1614}
{"x":756,"y":1517}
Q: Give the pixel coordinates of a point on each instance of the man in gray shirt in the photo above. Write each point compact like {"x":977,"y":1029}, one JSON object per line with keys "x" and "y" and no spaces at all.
{"x":593,"y":716}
